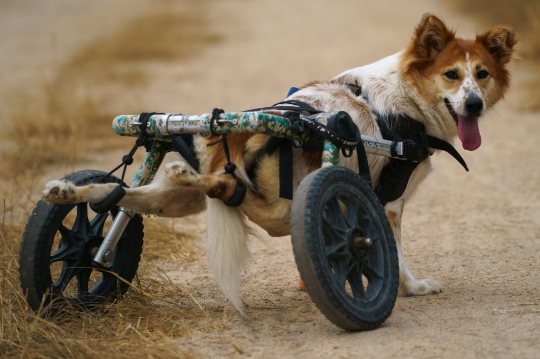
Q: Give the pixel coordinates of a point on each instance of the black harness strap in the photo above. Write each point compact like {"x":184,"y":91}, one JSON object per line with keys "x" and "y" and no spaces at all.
{"x":285,"y":169}
{"x":183,"y":144}
{"x":288,"y":105}
{"x":345,"y":142}
{"x":241,"y":189}
{"x":395,"y":175}
{"x":340,"y":140}
{"x":363,"y":165}
{"x":438,"y":144}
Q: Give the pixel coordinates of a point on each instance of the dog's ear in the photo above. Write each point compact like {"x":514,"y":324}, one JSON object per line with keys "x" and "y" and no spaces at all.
{"x":430,"y":37}
{"x":500,"y":42}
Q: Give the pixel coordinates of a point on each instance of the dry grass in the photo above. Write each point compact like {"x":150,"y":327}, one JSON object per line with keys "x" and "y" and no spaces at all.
{"x":144,"y":323}
{"x":63,"y":121}
{"x":51,"y":130}
{"x":54,"y":130}
{"x":524,"y":15}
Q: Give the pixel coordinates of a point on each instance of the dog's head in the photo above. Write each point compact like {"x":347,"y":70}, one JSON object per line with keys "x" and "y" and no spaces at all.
{"x":460,"y":78}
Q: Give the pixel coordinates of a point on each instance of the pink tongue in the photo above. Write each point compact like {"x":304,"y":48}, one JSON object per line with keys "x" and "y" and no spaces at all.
{"x":468,"y":132}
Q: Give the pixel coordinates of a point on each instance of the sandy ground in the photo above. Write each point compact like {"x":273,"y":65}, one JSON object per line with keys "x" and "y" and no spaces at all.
{"x":477,"y":232}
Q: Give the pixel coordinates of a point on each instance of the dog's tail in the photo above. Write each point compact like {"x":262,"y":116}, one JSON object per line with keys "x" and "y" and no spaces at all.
{"x":228,"y":251}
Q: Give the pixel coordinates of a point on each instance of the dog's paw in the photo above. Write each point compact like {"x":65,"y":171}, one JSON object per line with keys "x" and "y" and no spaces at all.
{"x":180,"y":173}
{"x":420,"y":287}
{"x":60,"y":192}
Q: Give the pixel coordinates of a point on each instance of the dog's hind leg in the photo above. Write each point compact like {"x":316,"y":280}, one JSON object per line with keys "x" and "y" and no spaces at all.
{"x":215,"y":186}
{"x":161,"y":197}
{"x":408,"y":285}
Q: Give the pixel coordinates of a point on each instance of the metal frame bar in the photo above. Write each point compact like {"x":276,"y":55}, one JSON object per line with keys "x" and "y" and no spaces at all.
{"x":161,"y":126}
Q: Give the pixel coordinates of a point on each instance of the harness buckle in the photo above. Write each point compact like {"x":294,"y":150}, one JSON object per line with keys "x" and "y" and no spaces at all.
{"x":297,"y":129}
{"x":409,"y":150}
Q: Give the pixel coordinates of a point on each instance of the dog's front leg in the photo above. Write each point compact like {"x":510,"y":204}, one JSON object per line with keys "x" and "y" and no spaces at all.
{"x":408,"y":285}
{"x":160,"y":197}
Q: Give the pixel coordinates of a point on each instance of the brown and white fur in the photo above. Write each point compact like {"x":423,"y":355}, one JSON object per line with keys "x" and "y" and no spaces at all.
{"x":443,"y":81}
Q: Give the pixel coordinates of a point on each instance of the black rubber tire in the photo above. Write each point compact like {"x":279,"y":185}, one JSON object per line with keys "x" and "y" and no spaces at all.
{"x":39,"y":235}
{"x":327,"y":254}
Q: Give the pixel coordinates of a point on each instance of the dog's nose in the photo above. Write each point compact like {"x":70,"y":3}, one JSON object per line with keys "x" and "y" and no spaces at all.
{"x":474,"y":105}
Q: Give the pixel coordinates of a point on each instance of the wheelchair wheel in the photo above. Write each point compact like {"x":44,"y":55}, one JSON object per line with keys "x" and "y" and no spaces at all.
{"x":59,"y":243}
{"x":344,"y":248}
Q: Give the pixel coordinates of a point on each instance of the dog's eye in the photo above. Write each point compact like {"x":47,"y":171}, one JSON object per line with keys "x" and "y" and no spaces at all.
{"x":482,"y":74}
{"x":451,"y":75}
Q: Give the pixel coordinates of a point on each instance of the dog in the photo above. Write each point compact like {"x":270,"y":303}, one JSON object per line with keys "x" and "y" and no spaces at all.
{"x":444,"y":82}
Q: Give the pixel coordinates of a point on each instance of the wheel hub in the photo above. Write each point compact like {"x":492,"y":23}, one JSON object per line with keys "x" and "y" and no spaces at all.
{"x":359,"y":244}
{"x":363,"y":242}
{"x":90,"y":249}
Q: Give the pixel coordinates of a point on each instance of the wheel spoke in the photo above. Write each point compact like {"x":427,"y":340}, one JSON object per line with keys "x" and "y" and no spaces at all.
{"x":355,"y":280}
{"x":335,"y":251}
{"x":81,"y":226}
{"x":351,"y":217}
{"x":332,"y":234}
{"x":65,"y":232}
{"x":67,"y":274}
{"x":335,"y":215}
{"x":64,"y":253}
{"x":68,"y":248}
{"x":83,"y":277}
{"x":108,"y":276}
{"x":341,"y":269}
{"x":98,"y":223}
{"x":370,"y":273}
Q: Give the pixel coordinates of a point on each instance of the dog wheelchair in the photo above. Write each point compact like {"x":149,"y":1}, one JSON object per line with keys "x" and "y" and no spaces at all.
{"x":342,"y":241}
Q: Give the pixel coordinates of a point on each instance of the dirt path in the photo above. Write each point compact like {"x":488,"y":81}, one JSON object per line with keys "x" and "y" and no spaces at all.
{"x":38,"y":37}
{"x":477,"y":232}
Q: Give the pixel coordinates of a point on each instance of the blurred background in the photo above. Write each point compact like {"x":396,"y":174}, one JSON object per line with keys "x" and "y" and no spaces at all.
{"x":68,"y":67}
